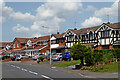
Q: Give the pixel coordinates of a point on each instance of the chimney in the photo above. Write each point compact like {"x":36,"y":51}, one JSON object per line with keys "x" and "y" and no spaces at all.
{"x":75,"y":28}
{"x":108,"y":22}
{"x":35,"y":37}
{"x":58,"y":33}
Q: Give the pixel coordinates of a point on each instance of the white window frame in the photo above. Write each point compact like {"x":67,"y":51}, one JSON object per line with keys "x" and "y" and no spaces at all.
{"x":44,"y":43}
{"x":17,"y":45}
{"x":14,"y":45}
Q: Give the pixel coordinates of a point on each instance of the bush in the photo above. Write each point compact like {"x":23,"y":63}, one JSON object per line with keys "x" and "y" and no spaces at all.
{"x":41,"y":58}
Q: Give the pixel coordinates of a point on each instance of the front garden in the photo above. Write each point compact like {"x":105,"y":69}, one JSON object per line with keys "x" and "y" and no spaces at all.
{"x":104,"y":60}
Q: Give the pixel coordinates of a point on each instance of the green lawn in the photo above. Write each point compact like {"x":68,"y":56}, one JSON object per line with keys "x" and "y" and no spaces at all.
{"x":109,"y":67}
{"x":65,"y":64}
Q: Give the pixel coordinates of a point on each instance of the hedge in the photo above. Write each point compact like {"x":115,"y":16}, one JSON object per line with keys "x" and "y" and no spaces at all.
{"x":102,"y":56}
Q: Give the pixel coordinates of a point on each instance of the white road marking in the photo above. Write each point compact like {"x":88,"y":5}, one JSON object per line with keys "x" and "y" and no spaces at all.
{"x":114,"y":73}
{"x":53,"y":67}
{"x":17,"y":67}
{"x":12,"y":65}
{"x":47,"y":77}
{"x":24,"y":69}
{"x":33,"y":72}
{"x":86,"y":76}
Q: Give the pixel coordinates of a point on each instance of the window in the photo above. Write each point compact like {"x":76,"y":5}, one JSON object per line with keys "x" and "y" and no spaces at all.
{"x":53,"y":42}
{"x":44,"y":43}
{"x":57,"y":41}
{"x":14,"y":45}
{"x":40,"y":43}
{"x":62,"y":41}
{"x":105,"y":34}
{"x":17,"y":45}
{"x":83,"y":37}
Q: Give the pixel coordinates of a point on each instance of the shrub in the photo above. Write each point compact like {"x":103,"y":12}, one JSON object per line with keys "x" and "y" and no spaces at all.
{"x":41,"y":58}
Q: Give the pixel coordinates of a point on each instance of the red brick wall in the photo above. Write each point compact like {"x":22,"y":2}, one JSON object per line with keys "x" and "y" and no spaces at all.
{"x":60,"y":43}
{"x":44,"y":50}
{"x":99,"y":47}
{"x":111,"y":47}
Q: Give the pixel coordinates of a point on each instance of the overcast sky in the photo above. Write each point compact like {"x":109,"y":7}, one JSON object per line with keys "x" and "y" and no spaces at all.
{"x":25,"y":19}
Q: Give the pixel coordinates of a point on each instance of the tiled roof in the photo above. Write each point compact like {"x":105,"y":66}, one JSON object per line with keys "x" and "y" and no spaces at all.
{"x":38,"y":47}
{"x":24,"y":40}
{"x":58,"y":35}
{"x":43,"y":38}
{"x":3,"y":44}
{"x":114,"y":25}
{"x":35,"y":39}
{"x":86,"y":30}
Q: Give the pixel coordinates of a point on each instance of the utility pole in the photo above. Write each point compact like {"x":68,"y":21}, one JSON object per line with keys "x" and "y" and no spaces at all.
{"x":108,"y":17}
{"x":50,"y":47}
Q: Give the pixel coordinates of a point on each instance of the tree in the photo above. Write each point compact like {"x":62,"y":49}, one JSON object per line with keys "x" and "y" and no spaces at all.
{"x":80,"y":51}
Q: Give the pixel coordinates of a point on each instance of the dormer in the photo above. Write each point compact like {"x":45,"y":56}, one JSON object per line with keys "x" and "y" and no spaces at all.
{"x":29,"y":43}
{"x":8,"y":46}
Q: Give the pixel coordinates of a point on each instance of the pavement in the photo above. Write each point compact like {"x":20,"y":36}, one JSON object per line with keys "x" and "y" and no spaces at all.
{"x":31,"y":69}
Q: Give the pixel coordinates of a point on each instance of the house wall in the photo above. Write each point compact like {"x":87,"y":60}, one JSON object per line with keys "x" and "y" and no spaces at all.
{"x":45,"y":50}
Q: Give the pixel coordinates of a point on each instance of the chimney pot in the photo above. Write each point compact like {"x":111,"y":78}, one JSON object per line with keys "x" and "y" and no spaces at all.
{"x":75,"y":28}
{"x":58,"y":33}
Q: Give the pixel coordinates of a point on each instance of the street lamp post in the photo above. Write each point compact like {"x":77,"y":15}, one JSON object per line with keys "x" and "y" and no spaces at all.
{"x":50,"y":46}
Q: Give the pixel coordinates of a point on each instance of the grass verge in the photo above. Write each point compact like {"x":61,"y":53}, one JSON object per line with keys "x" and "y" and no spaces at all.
{"x":111,"y":67}
{"x":65,"y":64}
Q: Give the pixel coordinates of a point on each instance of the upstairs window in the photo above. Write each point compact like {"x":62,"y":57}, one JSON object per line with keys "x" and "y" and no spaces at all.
{"x":57,"y":41}
{"x":83,"y":37}
{"x":14,"y":45}
{"x":53,"y":42}
{"x":40,"y":43}
{"x":104,"y":34}
{"x":62,"y":41}
{"x":44,"y":43}
{"x":17,"y":45}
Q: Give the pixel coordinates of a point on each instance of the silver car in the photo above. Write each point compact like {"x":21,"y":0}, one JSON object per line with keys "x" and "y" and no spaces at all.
{"x":57,"y":56}
{"x":35,"y":57}
{"x":19,"y":57}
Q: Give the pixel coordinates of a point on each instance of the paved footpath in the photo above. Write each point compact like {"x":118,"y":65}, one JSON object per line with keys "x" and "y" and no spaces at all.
{"x":83,"y":73}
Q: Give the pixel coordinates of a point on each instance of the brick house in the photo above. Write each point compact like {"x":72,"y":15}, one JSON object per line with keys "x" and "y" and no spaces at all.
{"x":57,"y":43}
{"x":5,"y":47}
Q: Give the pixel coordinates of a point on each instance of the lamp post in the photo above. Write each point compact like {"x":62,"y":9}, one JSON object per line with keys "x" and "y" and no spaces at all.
{"x":50,"y":46}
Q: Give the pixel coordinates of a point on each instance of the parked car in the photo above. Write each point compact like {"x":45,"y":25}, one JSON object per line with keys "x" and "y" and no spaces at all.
{"x":19,"y":57}
{"x":57,"y":56}
{"x":35,"y":57}
{"x":48,"y":57}
{"x":66,"y":56}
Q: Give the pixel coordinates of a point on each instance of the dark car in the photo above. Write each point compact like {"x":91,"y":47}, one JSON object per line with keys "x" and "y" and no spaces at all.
{"x":13,"y":58}
{"x":2,"y":57}
{"x":66,"y":56}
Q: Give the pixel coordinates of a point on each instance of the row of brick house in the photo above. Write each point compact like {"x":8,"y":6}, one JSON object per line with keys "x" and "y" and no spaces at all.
{"x":104,"y":36}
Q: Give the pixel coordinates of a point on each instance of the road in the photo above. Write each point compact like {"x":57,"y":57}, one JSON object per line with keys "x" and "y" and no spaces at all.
{"x":13,"y":70}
